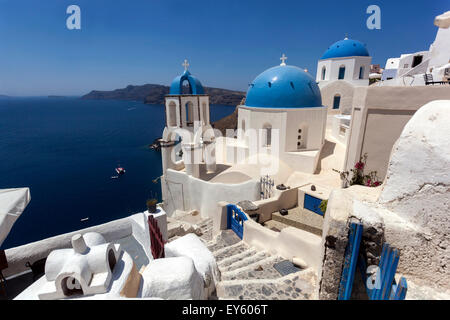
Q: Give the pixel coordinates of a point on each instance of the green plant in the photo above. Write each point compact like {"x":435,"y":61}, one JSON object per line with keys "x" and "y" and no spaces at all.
{"x":356,"y":175}
{"x":323,"y":206}
{"x":151,"y":202}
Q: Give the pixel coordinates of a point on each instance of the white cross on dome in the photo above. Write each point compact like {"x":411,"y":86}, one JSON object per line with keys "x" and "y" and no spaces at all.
{"x":283,"y":60}
{"x":185,"y":64}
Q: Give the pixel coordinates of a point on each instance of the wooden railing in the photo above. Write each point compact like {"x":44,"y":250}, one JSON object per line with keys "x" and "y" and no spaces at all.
{"x":156,"y":238}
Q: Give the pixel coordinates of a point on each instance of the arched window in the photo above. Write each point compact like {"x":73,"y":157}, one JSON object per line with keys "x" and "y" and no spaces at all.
{"x":186,"y":87}
{"x":267,"y":132}
{"x":336,"y":101}
{"x":341,"y":72}
{"x":189,"y":114}
{"x":172,"y":115}
{"x":361,"y":72}
{"x":324,"y":71}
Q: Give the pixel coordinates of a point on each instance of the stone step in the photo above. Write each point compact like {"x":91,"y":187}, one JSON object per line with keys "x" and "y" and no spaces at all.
{"x":302,"y":219}
{"x":295,"y":286}
{"x":275,"y":225}
{"x":245,"y":261}
{"x":229,"y":251}
{"x":236,"y":257}
{"x":262,"y":269}
{"x":224,"y":239}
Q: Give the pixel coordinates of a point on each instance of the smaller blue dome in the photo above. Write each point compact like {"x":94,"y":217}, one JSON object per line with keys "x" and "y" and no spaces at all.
{"x":195,"y":86}
{"x":284,"y":87}
{"x":346,"y":48}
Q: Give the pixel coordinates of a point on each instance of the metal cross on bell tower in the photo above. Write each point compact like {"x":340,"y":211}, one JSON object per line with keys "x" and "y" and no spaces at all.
{"x":185,"y":64}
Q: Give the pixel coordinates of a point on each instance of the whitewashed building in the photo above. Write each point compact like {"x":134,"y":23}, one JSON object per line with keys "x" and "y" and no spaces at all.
{"x":410,"y":69}
{"x":344,"y":66}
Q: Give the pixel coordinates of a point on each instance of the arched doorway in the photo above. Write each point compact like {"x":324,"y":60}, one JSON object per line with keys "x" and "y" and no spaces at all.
{"x":336,"y":101}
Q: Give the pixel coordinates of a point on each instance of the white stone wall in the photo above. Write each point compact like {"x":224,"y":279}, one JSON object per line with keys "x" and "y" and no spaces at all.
{"x":186,"y":193}
{"x":288,"y":122}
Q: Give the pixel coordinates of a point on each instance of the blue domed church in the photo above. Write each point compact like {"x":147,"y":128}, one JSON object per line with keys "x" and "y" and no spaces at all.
{"x":343,"y":66}
{"x":284,"y":105}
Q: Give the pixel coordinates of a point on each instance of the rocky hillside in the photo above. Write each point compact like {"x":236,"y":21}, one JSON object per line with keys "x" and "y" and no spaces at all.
{"x":154,"y":94}
{"x":228,"y":122}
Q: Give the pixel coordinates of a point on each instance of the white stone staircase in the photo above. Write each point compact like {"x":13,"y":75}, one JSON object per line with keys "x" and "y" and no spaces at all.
{"x":248,"y":273}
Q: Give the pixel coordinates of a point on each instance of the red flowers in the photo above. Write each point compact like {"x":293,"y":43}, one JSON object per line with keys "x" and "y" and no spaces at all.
{"x":357,"y":176}
{"x":359,"y":165}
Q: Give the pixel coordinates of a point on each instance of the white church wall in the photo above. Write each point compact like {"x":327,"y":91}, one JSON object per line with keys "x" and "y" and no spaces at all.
{"x":345,"y":91}
{"x":352,"y":66}
{"x":314,"y":119}
{"x":320,"y":65}
{"x":259,"y":118}
{"x":336,"y":64}
{"x":365,"y":63}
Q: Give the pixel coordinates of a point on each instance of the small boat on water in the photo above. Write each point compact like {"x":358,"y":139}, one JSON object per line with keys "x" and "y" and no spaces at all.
{"x":120,"y":170}
{"x":156,"y":145}
{"x":84,"y":219}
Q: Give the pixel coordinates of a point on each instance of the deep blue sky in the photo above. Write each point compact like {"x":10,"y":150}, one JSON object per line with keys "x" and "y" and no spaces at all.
{"x":227,"y":42}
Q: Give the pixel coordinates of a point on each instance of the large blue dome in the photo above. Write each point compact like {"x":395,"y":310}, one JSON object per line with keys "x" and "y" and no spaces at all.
{"x":346,"y":48}
{"x":283,"y":87}
{"x":195,"y":86}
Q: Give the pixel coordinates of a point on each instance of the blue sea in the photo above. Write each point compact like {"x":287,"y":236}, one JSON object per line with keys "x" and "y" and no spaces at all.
{"x":65,"y":150}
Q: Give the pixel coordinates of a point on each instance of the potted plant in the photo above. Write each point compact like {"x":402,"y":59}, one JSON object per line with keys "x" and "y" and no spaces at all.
{"x":151,"y":204}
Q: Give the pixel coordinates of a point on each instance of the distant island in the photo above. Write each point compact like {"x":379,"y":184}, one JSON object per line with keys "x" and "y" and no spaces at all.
{"x":57,"y":97}
{"x":2,"y":96}
{"x":154,"y":94}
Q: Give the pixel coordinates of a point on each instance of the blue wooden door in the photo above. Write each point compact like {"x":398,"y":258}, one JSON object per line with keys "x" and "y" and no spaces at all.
{"x":312,"y":203}
{"x":235,"y":220}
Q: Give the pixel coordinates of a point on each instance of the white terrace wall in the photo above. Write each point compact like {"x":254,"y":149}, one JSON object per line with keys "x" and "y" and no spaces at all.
{"x":378,"y":117}
{"x":134,"y":225}
{"x":417,"y":190}
{"x":288,"y":243}
{"x":196,"y":194}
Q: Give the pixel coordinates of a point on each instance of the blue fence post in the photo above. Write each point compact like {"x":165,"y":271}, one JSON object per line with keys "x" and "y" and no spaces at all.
{"x":350,"y":261}
{"x":399,"y":291}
